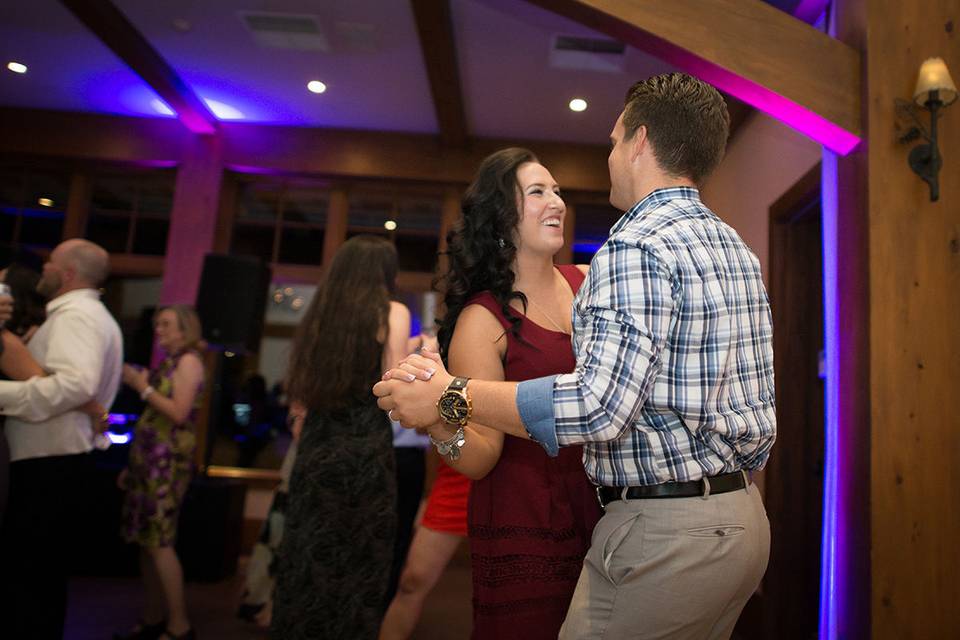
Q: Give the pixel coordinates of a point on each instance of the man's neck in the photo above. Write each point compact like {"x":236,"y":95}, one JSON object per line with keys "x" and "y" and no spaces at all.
{"x":65,"y":290}
{"x":662,"y":181}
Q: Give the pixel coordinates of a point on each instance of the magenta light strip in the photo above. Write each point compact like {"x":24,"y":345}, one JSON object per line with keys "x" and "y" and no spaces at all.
{"x":807,"y":122}
{"x":833,"y":546}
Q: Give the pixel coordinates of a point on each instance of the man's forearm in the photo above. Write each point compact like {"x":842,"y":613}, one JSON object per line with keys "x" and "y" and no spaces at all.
{"x":41,"y":398}
{"x":495,"y":406}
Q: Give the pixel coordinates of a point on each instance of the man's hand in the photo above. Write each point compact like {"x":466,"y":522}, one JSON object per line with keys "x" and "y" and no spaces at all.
{"x":414,"y":406}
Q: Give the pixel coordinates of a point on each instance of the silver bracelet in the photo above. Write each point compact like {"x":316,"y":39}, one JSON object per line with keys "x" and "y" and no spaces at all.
{"x":450,"y":448}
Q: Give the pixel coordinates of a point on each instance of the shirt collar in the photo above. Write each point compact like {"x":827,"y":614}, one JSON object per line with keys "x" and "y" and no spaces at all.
{"x":654,"y":199}
{"x":70,"y":296}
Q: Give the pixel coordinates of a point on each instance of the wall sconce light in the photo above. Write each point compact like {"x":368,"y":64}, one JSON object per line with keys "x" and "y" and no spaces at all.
{"x":935,"y":90}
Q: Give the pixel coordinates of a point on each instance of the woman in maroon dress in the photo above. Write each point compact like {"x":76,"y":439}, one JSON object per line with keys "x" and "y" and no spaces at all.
{"x":508,"y":317}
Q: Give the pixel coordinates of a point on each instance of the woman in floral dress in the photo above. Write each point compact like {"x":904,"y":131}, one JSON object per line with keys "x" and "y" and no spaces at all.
{"x":160,"y":469}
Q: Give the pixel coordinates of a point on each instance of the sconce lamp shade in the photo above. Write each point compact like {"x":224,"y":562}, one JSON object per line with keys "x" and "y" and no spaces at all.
{"x":934,"y":76}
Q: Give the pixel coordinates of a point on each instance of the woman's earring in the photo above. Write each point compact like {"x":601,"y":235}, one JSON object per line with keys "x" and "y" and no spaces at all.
{"x":501,"y":243}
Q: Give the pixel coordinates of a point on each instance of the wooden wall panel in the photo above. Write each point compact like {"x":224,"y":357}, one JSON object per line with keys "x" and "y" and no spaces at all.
{"x":914,"y":264}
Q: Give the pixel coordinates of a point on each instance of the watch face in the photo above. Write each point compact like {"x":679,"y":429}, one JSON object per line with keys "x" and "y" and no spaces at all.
{"x":453,"y":407}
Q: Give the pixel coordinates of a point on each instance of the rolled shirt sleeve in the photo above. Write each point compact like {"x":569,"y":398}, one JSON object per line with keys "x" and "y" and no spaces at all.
{"x":535,"y":404}
{"x":624,"y":319}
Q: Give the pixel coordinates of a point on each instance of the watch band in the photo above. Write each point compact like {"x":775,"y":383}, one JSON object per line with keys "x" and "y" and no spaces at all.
{"x":458,"y":384}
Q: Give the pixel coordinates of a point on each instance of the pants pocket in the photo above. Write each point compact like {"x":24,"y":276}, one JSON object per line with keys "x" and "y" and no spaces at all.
{"x":716,"y":531}
{"x":616,"y":567}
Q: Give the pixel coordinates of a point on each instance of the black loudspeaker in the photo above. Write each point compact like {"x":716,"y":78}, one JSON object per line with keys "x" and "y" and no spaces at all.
{"x":231,"y":301}
{"x":210,"y":527}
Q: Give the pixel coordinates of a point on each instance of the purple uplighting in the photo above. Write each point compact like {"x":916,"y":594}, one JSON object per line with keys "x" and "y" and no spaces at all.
{"x":834,"y":541}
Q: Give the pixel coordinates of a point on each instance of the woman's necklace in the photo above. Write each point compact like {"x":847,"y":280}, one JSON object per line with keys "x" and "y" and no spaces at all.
{"x":547,"y":316}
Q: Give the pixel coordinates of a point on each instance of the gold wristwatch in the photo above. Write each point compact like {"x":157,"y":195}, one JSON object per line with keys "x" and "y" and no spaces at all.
{"x":454,"y":404}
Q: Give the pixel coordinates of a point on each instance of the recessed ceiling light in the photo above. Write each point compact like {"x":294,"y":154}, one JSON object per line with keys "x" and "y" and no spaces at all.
{"x":578,"y":104}
{"x":316,"y":86}
{"x":45,"y":202}
{"x":17,"y":67}
{"x":223,"y":111}
{"x":389,"y":225}
{"x":161,"y":107}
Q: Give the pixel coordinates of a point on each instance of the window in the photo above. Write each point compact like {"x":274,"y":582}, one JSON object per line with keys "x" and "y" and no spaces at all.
{"x":410,"y":218}
{"x":281,"y":222}
{"x":130,"y":211}
{"x":593,"y":223}
{"x":32,"y":205}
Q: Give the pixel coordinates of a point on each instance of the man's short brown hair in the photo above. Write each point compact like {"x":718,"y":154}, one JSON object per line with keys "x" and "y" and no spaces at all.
{"x":686,"y":119}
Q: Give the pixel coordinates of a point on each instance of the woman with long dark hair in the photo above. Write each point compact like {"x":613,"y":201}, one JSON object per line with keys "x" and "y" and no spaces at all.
{"x":508,"y":317}
{"x":338,"y":539}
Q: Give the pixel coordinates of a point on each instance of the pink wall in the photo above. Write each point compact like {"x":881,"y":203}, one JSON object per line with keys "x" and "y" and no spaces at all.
{"x":765,"y":158}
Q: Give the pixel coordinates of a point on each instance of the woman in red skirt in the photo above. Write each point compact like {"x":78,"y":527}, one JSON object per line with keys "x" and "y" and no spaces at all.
{"x":442,"y":529}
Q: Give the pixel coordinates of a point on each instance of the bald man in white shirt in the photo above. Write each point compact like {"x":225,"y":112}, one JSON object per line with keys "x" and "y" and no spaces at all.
{"x":80,"y":346}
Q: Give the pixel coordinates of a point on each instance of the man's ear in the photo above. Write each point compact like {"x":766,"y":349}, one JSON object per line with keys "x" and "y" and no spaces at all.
{"x":638,"y":143}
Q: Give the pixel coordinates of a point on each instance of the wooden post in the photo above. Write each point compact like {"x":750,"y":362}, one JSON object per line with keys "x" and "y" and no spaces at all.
{"x":78,"y":206}
{"x":335,"y":233}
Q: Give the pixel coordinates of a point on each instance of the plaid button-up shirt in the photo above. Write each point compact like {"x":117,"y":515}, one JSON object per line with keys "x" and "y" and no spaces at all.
{"x":674,"y":349}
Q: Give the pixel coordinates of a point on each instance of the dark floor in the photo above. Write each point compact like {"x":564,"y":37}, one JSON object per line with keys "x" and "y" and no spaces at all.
{"x":100,"y":606}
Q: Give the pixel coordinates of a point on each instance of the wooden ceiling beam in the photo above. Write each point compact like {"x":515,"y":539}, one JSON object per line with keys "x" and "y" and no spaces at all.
{"x":284,"y":150}
{"x":754,"y":52}
{"x":435,"y":29}
{"x":113,"y":28}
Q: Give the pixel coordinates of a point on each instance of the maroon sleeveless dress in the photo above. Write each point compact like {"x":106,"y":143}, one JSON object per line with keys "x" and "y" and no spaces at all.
{"x":530,"y":520}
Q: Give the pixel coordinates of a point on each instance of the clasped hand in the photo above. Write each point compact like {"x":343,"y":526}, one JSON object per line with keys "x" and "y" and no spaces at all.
{"x":414,"y":405}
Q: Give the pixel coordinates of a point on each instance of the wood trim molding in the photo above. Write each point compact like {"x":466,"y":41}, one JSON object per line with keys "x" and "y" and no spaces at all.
{"x":283,"y":150}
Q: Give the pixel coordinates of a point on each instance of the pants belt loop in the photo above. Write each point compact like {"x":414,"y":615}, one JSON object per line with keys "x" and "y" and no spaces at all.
{"x":746,"y":480}
{"x":623,"y":493}
{"x":706,"y":488}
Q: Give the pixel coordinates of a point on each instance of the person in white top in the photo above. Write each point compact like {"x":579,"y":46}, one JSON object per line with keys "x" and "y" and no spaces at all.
{"x":80,"y":346}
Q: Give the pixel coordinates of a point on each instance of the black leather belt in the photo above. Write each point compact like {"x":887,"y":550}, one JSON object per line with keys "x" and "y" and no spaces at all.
{"x":718,"y":484}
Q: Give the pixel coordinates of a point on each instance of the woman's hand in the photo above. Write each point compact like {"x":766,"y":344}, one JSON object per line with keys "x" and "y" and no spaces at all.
{"x":135,"y":377}
{"x":6,"y":308}
{"x":295,"y":417}
{"x":413,"y":405}
{"x":99,"y":417}
{"x":422,"y":366}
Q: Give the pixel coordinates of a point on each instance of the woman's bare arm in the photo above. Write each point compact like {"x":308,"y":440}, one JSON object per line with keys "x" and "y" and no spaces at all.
{"x":476,"y":351}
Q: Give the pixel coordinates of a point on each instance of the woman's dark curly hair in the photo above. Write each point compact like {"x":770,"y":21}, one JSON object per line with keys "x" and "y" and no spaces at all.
{"x":29,"y":307}
{"x":480,"y":246}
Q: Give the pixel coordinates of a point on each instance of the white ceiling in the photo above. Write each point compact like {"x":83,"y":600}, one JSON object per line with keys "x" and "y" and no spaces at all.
{"x":373,"y":66}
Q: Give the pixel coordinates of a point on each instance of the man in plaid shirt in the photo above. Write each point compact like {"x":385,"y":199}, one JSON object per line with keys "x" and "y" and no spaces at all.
{"x":673,"y":393}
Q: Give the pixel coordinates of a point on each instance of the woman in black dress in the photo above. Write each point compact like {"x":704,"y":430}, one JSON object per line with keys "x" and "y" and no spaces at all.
{"x":337,"y":548}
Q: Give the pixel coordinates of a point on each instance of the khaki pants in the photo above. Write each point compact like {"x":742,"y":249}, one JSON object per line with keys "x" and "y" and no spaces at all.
{"x":677,"y":568}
